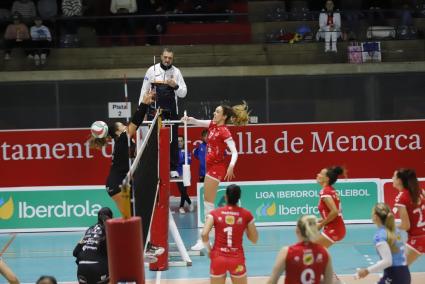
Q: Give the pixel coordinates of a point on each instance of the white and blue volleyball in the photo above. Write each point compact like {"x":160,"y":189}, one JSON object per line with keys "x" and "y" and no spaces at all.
{"x":99,"y":129}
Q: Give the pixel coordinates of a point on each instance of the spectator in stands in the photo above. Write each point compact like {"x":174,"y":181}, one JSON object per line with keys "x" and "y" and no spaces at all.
{"x":46,"y":279}
{"x":41,"y":39}
{"x":26,"y":8}
{"x":404,"y":10}
{"x":71,"y":8}
{"x":330,"y":26}
{"x":128,"y":25}
{"x":16,"y":35}
{"x":351,"y":10}
{"x":47,"y":9}
{"x":7,"y":272}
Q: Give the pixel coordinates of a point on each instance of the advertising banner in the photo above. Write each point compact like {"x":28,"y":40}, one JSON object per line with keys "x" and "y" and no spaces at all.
{"x":51,"y":208}
{"x":282,"y":202}
{"x":295,"y":151}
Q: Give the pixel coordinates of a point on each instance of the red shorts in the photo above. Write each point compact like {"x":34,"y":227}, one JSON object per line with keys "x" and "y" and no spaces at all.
{"x":220,"y":264}
{"x":334,"y":231}
{"x":417,"y":243}
{"x":216,"y":171}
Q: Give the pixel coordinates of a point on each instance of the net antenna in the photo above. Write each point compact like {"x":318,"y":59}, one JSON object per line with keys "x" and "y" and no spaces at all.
{"x":186,"y":166}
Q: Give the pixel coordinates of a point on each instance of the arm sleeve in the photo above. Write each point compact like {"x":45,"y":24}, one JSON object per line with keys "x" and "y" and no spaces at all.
{"x":139,"y":115}
{"x":232,"y":146}
{"x":149,"y":77}
{"x":386,"y":258}
{"x":33,"y":33}
{"x":322,"y":21}
{"x":196,"y":153}
{"x":77,"y":249}
{"x":182,"y":90}
{"x":48,"y":34}
{"x":337,"y":20}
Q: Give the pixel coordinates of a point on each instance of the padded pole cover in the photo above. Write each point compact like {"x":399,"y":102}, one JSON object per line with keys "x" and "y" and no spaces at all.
{"x":125,"y":250}
{"x":159,"y":226}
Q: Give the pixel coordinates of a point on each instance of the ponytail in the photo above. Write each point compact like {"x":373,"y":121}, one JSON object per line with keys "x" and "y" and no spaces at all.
{"x":307,"y":225}
{"x":387,"y":219}
{"x":410,"y":182}
{"x":238,"y":114}
{"x":334,"y":172}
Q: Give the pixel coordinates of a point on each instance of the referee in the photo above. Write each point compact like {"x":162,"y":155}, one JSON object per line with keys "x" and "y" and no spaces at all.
{"x":168,"y":83}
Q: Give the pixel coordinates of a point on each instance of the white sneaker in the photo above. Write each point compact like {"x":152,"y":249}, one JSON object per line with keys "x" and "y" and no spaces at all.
{"x":30,"y":56}
{"x":174,"y":174}
{"x":7,"y":56}
{"x":181,"y":210}
{"x":43,"y":58}
{"x":191,"y":207}
{"x":37,"y":59}
{"x":198,"y":246}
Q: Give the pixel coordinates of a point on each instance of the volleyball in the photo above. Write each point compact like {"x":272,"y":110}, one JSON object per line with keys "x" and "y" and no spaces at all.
{"x":99,"y":129}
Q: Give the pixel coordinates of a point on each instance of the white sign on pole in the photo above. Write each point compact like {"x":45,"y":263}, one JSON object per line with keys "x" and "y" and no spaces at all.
{"x":119,"y":110}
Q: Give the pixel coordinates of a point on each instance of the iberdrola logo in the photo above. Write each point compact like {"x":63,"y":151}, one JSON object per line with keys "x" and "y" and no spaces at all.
{"x":6,"y":208}
{"x":266,"y":210}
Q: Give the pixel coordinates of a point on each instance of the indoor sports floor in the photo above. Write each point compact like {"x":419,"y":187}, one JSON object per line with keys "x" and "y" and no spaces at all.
{"x":33,"y":254}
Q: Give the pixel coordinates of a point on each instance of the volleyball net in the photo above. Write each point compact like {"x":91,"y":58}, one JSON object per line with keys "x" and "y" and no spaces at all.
{"x":149,"y":179}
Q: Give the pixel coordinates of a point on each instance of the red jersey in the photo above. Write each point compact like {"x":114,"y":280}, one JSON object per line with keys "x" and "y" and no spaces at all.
{"x":305,"y":263}
{"x":329,"y":191}
{"x":230,"y":223}
{"x":216,"y":143}
{"x":416,"y":212}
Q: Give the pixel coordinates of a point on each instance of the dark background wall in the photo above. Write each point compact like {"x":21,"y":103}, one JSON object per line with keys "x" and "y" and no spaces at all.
{"x":272,"y":99}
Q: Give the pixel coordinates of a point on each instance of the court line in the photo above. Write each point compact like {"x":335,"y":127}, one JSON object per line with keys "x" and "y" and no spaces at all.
{"x":9,"y":242}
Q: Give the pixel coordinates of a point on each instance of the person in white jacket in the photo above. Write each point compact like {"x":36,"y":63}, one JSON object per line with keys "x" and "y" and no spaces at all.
{"x":330,"y":26}
{"x":167,"y":82}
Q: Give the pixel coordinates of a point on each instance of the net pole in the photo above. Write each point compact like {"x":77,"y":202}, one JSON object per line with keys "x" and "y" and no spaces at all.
{"x":159,"y":224}
{"x":125,"y":188}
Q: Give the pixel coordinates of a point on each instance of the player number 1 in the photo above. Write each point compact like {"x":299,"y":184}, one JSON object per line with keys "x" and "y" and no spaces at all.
{"x":229,"y":231}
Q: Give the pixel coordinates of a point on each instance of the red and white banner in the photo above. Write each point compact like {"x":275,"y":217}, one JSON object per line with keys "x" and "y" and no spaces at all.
{"x":266,"y":152}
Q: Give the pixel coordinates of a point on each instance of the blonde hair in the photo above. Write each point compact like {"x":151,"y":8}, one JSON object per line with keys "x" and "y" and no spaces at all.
{"x":307,"y":225}
{"x":387,"y":219}
{"x":98,"y":143}
{"x":241,"y":114}
{"x":238,"y":114}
